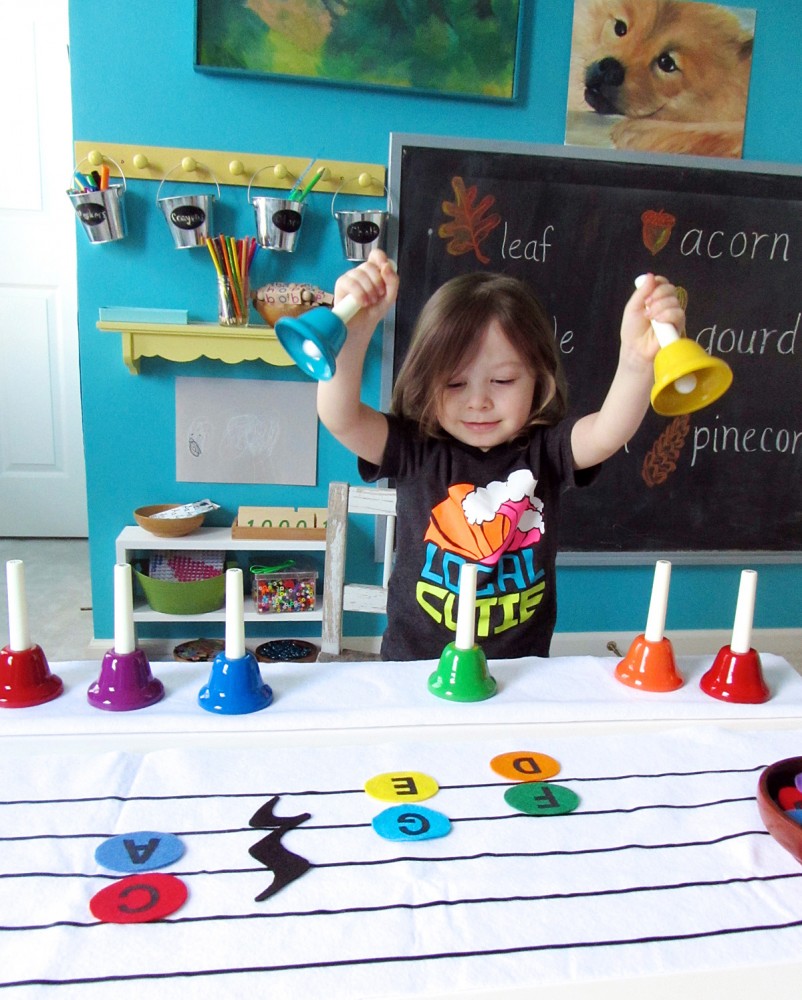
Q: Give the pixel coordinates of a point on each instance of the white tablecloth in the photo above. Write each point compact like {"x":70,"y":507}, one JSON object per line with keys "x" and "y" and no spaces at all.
{"x":314,"y":696}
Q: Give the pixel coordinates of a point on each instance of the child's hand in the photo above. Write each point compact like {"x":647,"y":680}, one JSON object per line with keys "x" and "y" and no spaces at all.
{"x":374,"y":285}
{"x":360,"y":428}
{"x":598,"y":435}
{"x":656,"y":299}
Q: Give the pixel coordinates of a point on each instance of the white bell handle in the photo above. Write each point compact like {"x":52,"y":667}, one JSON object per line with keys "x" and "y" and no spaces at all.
{"x":666,"y":334}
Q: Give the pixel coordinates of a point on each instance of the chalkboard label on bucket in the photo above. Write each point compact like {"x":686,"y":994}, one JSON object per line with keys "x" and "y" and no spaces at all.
{"x":363,"y":231}
{"x":187,"y":217}
{"x":287,"y":220}
{"x":91,"y":214}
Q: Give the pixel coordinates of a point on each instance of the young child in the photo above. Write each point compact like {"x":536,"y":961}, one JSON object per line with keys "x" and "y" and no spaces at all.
{"x":480,"y":450}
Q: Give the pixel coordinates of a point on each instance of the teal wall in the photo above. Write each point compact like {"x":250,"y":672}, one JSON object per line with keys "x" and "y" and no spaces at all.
{"x":133,"y":82}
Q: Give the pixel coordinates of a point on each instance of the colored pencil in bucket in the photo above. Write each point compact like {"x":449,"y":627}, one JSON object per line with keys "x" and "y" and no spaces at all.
{"x":232,"y":260}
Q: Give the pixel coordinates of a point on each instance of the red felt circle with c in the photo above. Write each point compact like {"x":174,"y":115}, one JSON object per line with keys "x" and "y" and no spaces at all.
{"x":139,"y":899}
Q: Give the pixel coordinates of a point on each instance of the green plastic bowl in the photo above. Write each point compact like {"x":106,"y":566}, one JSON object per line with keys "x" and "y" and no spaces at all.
{"x":194,"y":597}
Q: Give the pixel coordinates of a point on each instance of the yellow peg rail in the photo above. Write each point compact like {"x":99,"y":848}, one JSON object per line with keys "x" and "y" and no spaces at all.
{"x":139,"y":162}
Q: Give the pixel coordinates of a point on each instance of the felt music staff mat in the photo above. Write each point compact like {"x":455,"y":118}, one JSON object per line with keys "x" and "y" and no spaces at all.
{"x":273,"y":871}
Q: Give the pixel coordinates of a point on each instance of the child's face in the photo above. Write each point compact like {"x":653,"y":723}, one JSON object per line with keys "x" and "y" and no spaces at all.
{"x":487,"y":401}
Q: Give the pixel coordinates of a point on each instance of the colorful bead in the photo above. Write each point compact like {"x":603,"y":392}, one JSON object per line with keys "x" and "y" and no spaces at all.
{"x":284,"y":594}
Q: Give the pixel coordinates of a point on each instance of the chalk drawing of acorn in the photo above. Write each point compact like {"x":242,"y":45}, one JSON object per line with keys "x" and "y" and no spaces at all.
{"x":657,"y":228}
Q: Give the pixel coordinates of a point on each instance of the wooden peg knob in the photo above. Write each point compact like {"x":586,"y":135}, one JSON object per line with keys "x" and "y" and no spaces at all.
{"x":140,"y":161}
{"x":189,"y":163}
{"x":364,"y":180}
{"x":95,"y":157}
{"x":236,"y":167}
{"x":280,"y":171}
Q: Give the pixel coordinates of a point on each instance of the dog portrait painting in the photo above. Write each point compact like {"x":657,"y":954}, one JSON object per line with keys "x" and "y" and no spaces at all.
{"x":665,"y":76}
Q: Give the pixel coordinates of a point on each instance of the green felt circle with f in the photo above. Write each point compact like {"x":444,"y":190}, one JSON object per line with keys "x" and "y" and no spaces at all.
{"x":541,"y":799}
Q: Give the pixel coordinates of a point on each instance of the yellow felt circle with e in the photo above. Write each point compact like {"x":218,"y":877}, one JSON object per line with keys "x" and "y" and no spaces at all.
{"x":402,"y":786}
{"x":525,"y":765}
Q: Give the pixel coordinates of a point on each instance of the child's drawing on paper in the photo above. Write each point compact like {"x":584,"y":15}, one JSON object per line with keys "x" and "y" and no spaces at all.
{"x":245,"y":431}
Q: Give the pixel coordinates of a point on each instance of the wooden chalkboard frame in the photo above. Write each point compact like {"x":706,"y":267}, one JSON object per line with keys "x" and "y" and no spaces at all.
{"x":724,"y":185}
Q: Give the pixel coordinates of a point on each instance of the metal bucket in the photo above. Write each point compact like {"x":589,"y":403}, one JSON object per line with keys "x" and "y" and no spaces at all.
{"x":278,"y":222}
{"x":361,"y":231}
{"x":102,"y":213}
{"x":189,"y":217}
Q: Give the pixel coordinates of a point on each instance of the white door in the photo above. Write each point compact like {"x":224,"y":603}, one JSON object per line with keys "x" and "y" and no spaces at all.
{"x":42,"y":482}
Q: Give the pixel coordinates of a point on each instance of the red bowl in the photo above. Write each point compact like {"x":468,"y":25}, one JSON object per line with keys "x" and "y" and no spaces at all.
{"x":785,"y":831}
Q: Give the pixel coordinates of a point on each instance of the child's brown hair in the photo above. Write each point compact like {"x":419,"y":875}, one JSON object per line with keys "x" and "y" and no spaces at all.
{"x":447,"y":335}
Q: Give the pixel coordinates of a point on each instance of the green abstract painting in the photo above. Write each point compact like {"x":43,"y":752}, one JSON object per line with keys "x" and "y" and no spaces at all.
{"x":461,"y":48}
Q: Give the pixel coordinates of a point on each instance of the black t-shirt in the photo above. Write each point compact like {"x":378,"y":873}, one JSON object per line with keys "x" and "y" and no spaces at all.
{"x":497,"y":508}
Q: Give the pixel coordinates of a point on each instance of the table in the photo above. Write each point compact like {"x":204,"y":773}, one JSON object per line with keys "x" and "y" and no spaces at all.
{"x":662,"y":859}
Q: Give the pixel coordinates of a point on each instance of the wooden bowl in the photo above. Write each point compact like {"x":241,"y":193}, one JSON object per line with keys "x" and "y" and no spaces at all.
{"x":166,"y":527}
{"x":280,"y":299}
{"x":785,"y":831}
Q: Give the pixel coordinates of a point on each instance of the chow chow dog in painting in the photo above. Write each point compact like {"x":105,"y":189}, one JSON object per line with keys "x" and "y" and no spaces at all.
{"x":674,"y":73}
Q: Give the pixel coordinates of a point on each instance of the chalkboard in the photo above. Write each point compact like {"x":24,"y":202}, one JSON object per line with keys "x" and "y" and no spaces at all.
{"x":578,"y":228}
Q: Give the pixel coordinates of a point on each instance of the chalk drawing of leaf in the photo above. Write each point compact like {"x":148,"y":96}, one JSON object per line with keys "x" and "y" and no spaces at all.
{"x":471,"y":225}
{"x":661,"y":459}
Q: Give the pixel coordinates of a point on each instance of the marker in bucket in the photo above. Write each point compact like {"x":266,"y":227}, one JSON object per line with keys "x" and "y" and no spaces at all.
{"x":85,"y":183}
{"x":299,"y":180}
{"x":300,"y":195}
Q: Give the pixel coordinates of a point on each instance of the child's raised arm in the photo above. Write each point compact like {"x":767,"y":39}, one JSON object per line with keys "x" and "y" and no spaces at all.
{"x":358,"y":427}
{"x":599,"y":435}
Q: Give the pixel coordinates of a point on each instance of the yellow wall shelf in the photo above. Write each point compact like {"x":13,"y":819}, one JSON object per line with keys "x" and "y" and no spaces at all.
{"x":190,"y":341}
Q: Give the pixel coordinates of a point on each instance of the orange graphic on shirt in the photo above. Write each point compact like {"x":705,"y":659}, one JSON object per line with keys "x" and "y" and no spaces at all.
{"x":516,"y":522}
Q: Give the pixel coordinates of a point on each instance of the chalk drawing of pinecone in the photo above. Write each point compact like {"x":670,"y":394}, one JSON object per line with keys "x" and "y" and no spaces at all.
{"x":661,"y":459}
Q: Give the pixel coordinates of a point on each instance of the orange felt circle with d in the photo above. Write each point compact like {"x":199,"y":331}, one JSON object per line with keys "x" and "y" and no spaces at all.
{"x":525,"y":765}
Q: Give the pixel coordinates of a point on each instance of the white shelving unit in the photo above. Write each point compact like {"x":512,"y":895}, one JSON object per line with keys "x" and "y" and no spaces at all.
{"x":134,"y":541}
